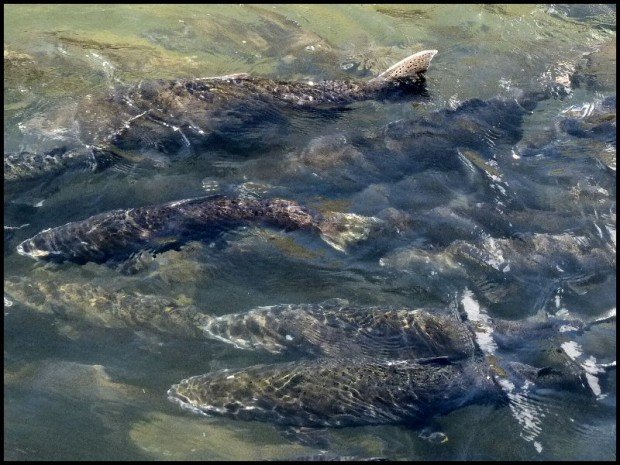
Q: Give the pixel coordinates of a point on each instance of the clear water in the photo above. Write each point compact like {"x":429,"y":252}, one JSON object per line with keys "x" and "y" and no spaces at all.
{"x":76,"y":391}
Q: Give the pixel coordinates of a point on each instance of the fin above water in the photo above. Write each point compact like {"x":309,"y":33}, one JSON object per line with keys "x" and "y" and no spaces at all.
{"x":606,"y":318}
{"x":409,"y":67}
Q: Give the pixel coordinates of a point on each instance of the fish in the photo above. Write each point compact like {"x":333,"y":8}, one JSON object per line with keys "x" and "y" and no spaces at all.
{"x":506,"y":269}
{"x":350,"y":161}
{"x":106,"y":307}
{"x":178,"y":116}
{"x":118,"y":234}
{"x":333,"y":328}
{"x":336,"y":329}
{"x":343,"y":392}
{"x":587,"y":131}
{"x":330,"y":328}
{"x":594,"y":121}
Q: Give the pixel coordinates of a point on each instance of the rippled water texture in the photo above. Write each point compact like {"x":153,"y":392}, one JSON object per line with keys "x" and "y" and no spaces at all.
{"x":491,"y":194}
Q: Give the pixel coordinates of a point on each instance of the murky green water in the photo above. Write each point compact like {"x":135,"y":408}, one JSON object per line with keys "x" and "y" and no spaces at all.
{"x":76,"y":390}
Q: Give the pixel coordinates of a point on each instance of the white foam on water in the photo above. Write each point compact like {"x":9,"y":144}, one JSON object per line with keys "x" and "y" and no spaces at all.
{"x":592,"y":368}
{"x":527,"y":414}
{"x":575,"y":351}
{"x":600,"y":232}
{"x":567,"y":328}
{"x":572,"y":349}
{"x":612,"y":233}
{"x":475,"y":314}
{"x":594,"y":385}
{"x":496,"y":258}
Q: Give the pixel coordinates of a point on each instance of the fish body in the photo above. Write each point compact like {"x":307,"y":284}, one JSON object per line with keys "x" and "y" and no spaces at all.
{"x":337,"y":392}
{"x":336,"y":330}
{"x":172,"y":117}
{"x":533,"y":252}
{"x":328,"y":329}
{"x":28,"y":165}
{"x":106,"y":307}
{"x":120,"y":233}
{"x":497,"y":267}
{"x":486,"y":129}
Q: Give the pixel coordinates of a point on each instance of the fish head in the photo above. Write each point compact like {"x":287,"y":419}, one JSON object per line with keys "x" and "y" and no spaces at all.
{"x":35,"y":247}
{"x":221,"y":393}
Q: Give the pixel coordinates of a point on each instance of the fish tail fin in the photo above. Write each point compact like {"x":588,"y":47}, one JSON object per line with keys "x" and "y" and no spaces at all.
{"x":407,"y":68}
{"x":607,"y":318}
{"x":343,"y":229}
{"x":607,"y":367}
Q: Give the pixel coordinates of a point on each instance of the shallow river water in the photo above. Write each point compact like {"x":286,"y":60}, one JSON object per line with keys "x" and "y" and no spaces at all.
{"x":497,"y":211}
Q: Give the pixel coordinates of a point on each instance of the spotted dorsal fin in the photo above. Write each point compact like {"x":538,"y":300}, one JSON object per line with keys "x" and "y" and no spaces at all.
{"x":409,"y":67}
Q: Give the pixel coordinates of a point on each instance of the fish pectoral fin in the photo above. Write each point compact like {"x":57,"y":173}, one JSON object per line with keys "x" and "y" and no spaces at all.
{"x":442,"y":360}
{"x":135,"y":263}
{"x":105,"y":158}
{"x":335,"y":302}
{"x":163,"y":241}
{"x":546,"y":371}
{"x":311,"y":437}
{"x":244,"y":76}
{"x":409,"y":67}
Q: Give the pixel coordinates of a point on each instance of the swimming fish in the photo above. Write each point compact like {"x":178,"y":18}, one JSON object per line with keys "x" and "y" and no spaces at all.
{"x":105,"y":306}
{"x":172,"y":117}
{"x":336,"y":329}
{"x":338,"y":392}
{"x":333,"y":328}
{"x":330,"y":328}
{"x":118,"y":234}
{"x":352,"y":160}
{"x":500,"y":268}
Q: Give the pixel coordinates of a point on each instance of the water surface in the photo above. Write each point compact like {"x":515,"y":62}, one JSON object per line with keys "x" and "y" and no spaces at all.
{"x":76,"y":391}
